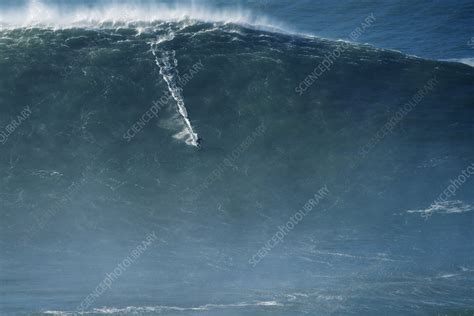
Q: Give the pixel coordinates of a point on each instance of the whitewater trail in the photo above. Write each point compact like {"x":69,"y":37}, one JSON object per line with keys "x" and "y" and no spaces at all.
{"x":168,"y":64}
{"x":159,"y":309}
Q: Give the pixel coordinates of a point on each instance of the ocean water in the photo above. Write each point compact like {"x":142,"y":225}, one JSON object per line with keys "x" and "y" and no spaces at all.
{"x":256,"y":158}
{"x":426,"y":28}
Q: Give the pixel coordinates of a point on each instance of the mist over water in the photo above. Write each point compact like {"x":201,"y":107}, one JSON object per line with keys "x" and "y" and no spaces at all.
{"x":428,"y":29}
{"x":92,"y":98}
{"x":39,"y":13}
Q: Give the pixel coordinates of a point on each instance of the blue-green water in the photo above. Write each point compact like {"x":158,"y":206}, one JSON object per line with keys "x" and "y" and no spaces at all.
{"x":97,"y":153}
{"x":431,"y":29}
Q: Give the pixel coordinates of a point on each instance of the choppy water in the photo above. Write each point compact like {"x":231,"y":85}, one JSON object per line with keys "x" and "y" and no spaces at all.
{"x":101,"y":121}
{"x":441,"y":30}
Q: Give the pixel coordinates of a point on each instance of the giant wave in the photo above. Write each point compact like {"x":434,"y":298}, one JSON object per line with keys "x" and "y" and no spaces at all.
{"x":82,"y":195}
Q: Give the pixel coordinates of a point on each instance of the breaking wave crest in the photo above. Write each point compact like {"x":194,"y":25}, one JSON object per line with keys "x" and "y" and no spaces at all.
{"x":38,"y":14}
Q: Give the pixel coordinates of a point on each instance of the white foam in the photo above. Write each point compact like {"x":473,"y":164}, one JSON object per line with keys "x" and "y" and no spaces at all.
{"x":38,"y":14}
{"x":162,"y":308}
{"x":167,"y":62}
{"x":338,"y":254}
{"x":268,"y":303}
{"x":447,"y":275}
{"x":465,"y":269}
{"x":467,"y":61}
{"x":444,"y":207}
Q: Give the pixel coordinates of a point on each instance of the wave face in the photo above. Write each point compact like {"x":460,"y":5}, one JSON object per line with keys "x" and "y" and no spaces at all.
{"x":99,"y":156}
